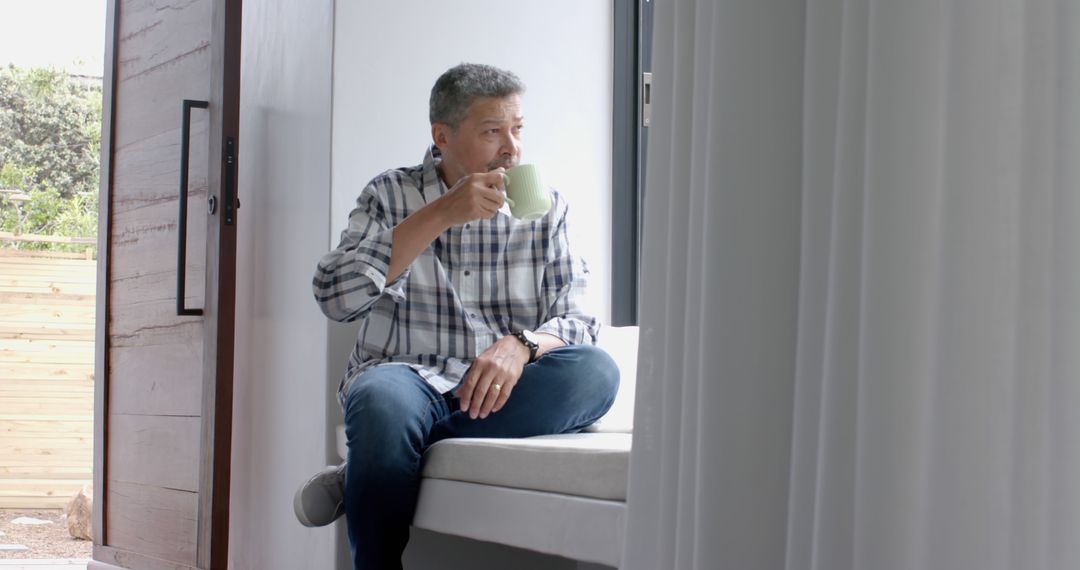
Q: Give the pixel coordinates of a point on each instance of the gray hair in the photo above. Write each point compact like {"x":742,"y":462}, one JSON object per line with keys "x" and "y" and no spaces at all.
{"x":460,"y":85}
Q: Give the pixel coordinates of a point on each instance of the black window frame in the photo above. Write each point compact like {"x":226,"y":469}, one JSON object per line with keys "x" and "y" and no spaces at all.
{"x":632,"y":58}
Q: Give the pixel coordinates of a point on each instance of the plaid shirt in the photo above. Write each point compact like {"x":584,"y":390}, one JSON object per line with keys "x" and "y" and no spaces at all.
{"x":474,"y":284}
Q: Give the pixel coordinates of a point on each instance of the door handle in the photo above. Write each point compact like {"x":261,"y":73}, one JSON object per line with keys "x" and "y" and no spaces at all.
{"x":181,"y":249}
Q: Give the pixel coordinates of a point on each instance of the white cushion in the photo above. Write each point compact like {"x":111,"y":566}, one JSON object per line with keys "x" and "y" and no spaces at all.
{"x":622,"y":344}
{"x":590,"y":465}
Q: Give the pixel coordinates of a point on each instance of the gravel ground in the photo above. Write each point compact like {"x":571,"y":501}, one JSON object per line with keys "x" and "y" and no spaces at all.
{"x":50,"y":541}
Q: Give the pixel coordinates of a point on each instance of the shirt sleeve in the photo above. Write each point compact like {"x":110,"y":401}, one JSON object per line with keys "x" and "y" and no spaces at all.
{"x":349,"y":279}
{"x":565,"y":278}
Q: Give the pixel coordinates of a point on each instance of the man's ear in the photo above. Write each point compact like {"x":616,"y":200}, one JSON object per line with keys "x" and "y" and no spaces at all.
{"x":440,"y":133}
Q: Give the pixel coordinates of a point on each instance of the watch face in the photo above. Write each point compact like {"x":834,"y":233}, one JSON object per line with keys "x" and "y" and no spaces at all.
{"x":532,"y":337}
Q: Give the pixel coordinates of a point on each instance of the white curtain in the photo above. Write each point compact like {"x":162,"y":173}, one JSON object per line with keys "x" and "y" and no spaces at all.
{"x":861,"y":288}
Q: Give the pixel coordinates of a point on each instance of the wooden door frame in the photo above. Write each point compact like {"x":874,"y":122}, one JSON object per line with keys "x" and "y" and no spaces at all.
{"x":101,"y":329}
{"x":212,"y":544}
{"x":215,"y":466}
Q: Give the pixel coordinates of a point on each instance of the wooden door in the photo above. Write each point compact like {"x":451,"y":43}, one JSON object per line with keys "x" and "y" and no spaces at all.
{"x":164,"y":375}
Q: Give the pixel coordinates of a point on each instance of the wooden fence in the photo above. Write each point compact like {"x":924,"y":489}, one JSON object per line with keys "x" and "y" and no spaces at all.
{"x":46,"y":377}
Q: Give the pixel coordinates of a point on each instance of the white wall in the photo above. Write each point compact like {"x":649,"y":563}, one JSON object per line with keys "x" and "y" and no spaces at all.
{"x":387,"y":55}
{"x":280,"y":400}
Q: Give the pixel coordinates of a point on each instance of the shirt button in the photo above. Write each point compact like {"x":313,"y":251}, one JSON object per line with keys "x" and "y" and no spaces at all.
{"x":473,"y":315}
{"x":467,"y":226}
{"x":468,"y":273}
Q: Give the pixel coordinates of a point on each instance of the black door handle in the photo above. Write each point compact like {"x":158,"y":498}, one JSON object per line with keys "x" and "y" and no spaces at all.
{"x":181,"y":250}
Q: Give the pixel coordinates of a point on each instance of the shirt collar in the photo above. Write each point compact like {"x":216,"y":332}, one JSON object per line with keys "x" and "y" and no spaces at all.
{"x":432,"y":180}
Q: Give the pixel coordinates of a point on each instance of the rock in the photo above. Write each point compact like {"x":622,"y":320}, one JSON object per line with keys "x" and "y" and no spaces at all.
{"x":29,"y":520}
{"x":80,"y":512}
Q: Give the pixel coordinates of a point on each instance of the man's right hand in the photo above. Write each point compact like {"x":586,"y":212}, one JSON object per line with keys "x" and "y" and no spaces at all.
{"x":474,"y":197}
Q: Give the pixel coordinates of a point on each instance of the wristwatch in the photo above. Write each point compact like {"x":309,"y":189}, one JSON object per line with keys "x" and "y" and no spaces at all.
{"x":531,"y":341}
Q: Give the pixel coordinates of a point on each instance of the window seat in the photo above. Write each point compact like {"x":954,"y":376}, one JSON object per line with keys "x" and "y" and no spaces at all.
{"x":562,"y":495}
{"x":557,"y":494}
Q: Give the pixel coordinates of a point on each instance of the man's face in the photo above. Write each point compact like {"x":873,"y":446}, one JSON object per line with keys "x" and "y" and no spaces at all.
{"x":488,"y":137}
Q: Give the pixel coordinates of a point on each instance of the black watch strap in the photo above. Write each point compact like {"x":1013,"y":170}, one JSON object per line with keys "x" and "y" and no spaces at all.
{"x":532,"y":346}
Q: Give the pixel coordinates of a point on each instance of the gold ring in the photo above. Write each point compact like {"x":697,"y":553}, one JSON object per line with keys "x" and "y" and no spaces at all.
{"x":497,"y":386}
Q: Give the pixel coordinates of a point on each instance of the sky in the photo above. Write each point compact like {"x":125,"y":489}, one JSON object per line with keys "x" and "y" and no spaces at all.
{"x":67,"y":34}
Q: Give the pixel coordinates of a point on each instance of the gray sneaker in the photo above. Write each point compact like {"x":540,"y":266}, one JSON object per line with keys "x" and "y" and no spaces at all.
{"x":321,"y":500}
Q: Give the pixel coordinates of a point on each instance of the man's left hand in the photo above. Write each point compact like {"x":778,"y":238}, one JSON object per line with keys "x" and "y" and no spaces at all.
{"x":491,"y":379}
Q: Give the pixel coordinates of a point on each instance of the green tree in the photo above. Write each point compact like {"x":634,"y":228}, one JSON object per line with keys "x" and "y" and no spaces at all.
{"x":50,"y":138}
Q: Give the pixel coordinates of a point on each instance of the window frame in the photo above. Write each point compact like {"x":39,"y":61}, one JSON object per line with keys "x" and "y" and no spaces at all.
{"x":632,"y":41}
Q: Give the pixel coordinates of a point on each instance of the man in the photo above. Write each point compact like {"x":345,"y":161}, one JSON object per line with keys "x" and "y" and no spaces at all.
{"x":471,"y":318}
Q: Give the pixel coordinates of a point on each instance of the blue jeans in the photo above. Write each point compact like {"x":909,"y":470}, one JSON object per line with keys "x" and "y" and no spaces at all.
{"x":392,"y":416}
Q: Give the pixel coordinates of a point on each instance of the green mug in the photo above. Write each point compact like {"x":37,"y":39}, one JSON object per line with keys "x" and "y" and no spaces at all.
{"x":529,"y":199}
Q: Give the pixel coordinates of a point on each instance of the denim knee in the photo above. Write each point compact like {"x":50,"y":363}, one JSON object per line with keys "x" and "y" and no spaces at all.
{"x":590,"y":373}
{"x":374,"y":397}
{"x":596,"y":367}
{"x":388,"y":405}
